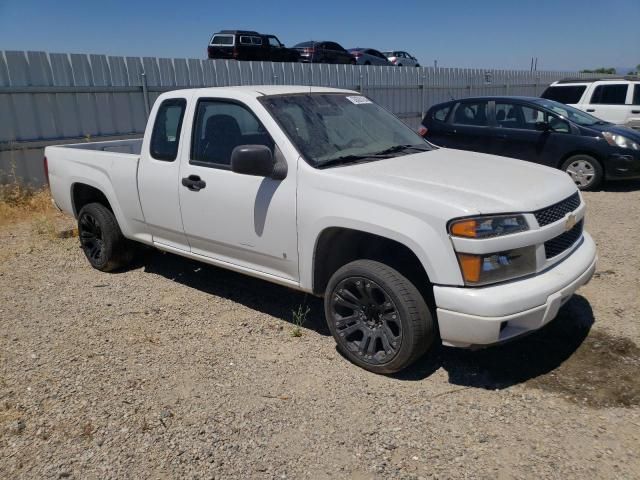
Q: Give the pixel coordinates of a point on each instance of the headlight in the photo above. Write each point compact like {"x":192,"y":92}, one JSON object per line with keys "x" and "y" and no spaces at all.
{"x":497,"y":267}
{"x":489,"y":226}
{"x":617,"y":140}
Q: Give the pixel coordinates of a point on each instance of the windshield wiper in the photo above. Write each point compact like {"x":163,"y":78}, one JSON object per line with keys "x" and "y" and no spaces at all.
{"x":402,"y":148}
{"x":386,"y":153}
{"x":349,"y":159}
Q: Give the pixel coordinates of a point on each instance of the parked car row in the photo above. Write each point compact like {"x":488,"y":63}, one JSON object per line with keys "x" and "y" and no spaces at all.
{"x":539,"y":130}
{"x":251,"y":45}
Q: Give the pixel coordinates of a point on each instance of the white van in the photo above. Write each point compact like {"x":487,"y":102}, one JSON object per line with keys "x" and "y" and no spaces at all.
{"x":615,"y":100}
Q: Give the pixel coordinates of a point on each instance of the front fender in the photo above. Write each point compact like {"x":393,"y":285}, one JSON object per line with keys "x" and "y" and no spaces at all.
{"x":432,"y":248}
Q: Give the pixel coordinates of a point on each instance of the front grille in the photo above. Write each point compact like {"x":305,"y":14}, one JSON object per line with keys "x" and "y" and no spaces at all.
{"x":562,"y":242}
{"x":555,"y":212}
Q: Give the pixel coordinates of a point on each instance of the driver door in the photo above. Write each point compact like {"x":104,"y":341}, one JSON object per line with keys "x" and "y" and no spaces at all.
{"x":518,"y":136}
{"x":242,"y":220}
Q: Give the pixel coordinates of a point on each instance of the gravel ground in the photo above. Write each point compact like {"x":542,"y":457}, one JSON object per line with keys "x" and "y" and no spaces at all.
{"x":175,"y":369}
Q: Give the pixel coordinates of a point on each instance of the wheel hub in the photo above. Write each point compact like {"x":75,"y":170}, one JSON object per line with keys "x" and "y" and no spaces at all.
{"x":582,"y":172}
{"x":366,"y":320}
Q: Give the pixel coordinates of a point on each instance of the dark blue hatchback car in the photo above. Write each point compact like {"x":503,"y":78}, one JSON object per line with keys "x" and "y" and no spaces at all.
{"x":537,"y":130}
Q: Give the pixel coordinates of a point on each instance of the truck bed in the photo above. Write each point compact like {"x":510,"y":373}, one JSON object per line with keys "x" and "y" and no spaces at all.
{"x":110,"y":167}
{"x":132,"y":146}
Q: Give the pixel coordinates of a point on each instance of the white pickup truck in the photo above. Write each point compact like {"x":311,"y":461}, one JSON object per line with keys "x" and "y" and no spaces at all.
{"x":324,"y":191}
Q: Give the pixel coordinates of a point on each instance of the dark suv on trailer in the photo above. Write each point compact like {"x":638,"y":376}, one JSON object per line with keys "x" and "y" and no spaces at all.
{"x":249,"y":45}
{"x":538,"y":130}
{"x":323,"y":52}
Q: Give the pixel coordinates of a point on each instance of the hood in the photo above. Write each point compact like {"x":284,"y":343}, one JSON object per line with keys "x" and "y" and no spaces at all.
{"x":467,"y":182}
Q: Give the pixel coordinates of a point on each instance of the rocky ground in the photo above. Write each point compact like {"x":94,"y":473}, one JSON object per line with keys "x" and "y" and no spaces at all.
{"x":173,"y":369}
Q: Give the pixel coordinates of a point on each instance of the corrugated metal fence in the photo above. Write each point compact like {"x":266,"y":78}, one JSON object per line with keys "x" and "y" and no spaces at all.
{"x":61,"y":98}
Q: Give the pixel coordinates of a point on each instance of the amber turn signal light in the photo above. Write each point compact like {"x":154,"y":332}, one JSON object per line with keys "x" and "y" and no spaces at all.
{"x":470,"y":265}
{"x":464,"y":228}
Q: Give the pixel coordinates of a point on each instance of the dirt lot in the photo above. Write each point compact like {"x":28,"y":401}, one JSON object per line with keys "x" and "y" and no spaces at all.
{"x":175,"y":369}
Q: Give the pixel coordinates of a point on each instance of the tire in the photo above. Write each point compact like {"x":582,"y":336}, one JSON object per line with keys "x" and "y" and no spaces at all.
{"x":352,"y":62}
{"x":377,"y":316}
{"x":586,"y":171}
{"x":367,"y":63}
{"x":417,"y":65}
{"x":101,"y":238}
{"x":399,"y":65}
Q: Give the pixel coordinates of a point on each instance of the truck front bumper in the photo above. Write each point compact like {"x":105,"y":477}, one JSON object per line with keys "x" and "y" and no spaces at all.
{"x":483,"y":316}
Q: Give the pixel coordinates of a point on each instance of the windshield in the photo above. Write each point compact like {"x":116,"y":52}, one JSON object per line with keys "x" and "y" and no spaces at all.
{"x":570,"y":113}
{"x":329,"y":128}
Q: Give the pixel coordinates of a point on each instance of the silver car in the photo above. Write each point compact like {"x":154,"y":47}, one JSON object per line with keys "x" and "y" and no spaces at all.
{"x":368,"y":56}
{"x":401,"y":59}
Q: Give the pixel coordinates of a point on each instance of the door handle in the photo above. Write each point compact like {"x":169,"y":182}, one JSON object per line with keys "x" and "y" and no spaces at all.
{"x":591,"y":109}
{"x":194,"y":183}
{"x":635,"y":111}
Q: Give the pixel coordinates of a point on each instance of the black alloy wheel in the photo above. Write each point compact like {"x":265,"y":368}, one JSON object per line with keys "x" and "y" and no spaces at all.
{"x":91,"y":238}
{"x":366,"y":320}
{"x":101,"y":239}
{"x":379,"y":319}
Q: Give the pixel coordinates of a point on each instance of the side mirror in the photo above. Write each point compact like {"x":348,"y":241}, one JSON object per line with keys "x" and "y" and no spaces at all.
{"x":543,"y":126}
{"x":256,"y":160}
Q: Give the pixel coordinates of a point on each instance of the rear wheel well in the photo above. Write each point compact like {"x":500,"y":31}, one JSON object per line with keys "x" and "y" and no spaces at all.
{"x":338,"y":246}
{"x":83,"y":194}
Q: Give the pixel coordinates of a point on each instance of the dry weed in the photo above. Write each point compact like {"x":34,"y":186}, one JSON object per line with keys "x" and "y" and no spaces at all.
{"x":19,"y":202}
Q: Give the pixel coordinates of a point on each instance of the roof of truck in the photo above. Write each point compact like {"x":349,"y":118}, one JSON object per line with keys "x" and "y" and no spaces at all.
{"x":260,"y":90}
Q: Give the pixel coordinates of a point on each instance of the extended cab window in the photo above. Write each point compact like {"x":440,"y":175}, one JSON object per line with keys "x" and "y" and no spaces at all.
{"x":636,"y":94}
{"x":615,"y":94}
{"x":471,"y":113}
{"x":166,"y":129}
{"x":219,"y":127}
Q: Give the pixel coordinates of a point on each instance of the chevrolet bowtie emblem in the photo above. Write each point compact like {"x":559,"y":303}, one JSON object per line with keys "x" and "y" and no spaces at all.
{"x":570,"y":222}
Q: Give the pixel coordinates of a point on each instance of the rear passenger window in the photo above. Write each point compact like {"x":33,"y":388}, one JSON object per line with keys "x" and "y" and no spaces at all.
{"x":610,"y":94}
{"x":636,"y":94}
{"x":568,"y":94}
{"x":474,"y":113}
{"x":441,"y":114}
{"x":222,"y":40}
{"x":166,"y":129}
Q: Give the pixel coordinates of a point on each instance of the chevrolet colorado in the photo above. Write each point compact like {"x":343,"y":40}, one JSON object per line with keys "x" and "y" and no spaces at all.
{"x":324,"y":191}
